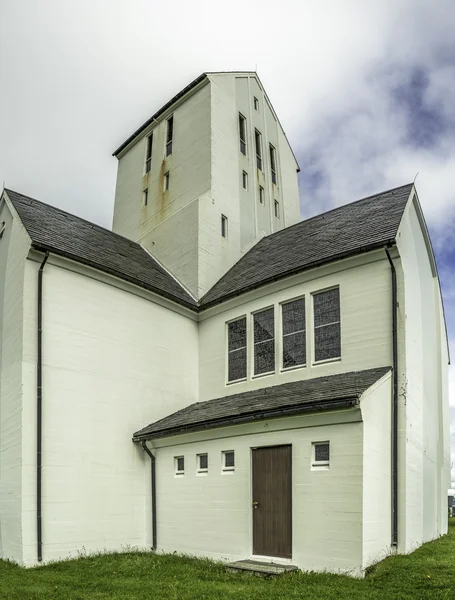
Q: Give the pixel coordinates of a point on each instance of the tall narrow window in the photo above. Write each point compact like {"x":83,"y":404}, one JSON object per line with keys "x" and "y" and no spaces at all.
{"x":145,"y":196}
{"x":294,"y":338}
{"x":277,"y":209}
{"x":258,"y":143}
{"x":273,"y":162}
{"x":148,"y":156}
{"x":166,"y":181}
{"x":256,"y":103}
{"x":242,"y":133}
{"x":237,"y":349}
{"x":224,"y":226}
{"x":261,"y":194}
{"x":169,"y":135}
{"x":245,"y":180}
{"x":264,"y":341}
{"x":327,"y":326}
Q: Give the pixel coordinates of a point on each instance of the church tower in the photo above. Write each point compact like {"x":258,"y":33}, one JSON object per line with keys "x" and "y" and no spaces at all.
{"x":206,"y":177}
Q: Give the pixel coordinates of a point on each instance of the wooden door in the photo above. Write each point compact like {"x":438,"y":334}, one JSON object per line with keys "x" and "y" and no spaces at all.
{"x":272,"y":501}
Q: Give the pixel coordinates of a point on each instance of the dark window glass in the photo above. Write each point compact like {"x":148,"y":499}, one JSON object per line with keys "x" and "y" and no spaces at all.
{"x":203,"y":462}
{"x":261,"y":194}
{"x":146,"y":197}
{"x":242,"y":133}
{"x":322,"y":452}
{"x":148,"y":157}
{"x":180,"y":464}
{"x":256,"y":103}
{"x":237,"y":349}
{"x":294,"y":338}
{"x":258,"y":142}
{"x":277,"y":209}
{"x":272,"y":163}
{"x":327,"y":326}
{"x":224,"y":223}
{"x":169,"y":135}
{"x":264,"y":341}
{"x":166,"y":181}
{"x":245,"y":180}
{"x":229,"y":459}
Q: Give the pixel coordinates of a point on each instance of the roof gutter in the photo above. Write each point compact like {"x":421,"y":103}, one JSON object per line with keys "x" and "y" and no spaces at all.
{"x":394,"y":400}
{"x":39,"y":413}
{"x":239,"y":419}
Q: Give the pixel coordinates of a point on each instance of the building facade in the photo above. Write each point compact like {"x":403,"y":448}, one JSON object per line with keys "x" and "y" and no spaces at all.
{"x":215,"y":377}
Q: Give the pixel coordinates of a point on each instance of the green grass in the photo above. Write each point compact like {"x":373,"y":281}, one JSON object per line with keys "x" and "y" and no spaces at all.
{"x":428,"y":573}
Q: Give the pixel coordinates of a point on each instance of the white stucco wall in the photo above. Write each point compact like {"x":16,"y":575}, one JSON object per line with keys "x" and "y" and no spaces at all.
{"x":13,"y":251}
{"x":365,"y":290}
{"x":112,"y":362}
{"x":424,"y":454}
{"x":211,"y":514}
{"x":376,"y":404}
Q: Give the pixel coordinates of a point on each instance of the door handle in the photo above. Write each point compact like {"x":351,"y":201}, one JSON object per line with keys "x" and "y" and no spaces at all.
{"x":255,"y":504}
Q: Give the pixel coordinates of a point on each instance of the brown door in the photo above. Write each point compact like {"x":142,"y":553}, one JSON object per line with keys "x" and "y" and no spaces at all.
{"x":272,"y":501}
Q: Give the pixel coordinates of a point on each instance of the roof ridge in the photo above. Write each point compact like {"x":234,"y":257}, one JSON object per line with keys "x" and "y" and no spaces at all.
{"x":91,"y":223}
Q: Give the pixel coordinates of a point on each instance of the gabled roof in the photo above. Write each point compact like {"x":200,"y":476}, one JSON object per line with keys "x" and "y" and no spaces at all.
{"x":57,"y":231}
{"x":345,"y":231}
{"x":322,"y":393}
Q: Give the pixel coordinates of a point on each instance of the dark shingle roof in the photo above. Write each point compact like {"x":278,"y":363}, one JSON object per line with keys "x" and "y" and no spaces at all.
{"x":62,"y":233}
{"x":321,"y":393}
{"x":360,"y":226}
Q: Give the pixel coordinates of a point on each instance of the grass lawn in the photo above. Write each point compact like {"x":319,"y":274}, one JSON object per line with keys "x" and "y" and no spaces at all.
{"x":428,"y":573}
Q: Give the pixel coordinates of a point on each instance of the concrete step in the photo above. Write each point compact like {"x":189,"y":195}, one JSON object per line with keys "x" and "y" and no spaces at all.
{"x":261,"y":568}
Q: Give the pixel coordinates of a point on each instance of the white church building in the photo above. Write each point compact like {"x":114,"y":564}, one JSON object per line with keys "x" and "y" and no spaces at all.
{"x":214,"y":376}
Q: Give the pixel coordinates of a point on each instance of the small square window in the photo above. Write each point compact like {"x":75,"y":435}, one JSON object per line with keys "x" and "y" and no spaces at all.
{"x":202,"y":463}
{"x":245,"y":180}
{"x":320,"y":455}
{"x":145,"y":196}
{"x":261,"y":194}
{"x":277,"y":209}
{"x":256,"y":103}
{"x":228,"y":458}
{"x":224,"y":226}
{"x":166,"y":181}
{"x":179,"y":462}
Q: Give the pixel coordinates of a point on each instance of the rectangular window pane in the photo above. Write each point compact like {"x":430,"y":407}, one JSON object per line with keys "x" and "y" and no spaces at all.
{"x":258,"y":143}
{"x":245,"y":180}
{"x":148,"y":158}
{"x":237,"y":349}
{"x":179,"y":464}
{"x":293,"y":316}
{"x":327,"y":342}
{"x":277,"y":209}
{"x":166,"y":181}
{"x":229,"y":459}
{"x":169,"y":135}
{"x":242,"y":133}
{"x":203,"y":462}
{"x":322,"y":452}
{"x":327,"y":327}
{"x":261,"y":194}
{"x":264,"y":341}
{"x":146,"y":197}
{"x":294,"y":350}
{"x":326,"y":307}
{"x":272,"y":163}
{"x":224,"y":223}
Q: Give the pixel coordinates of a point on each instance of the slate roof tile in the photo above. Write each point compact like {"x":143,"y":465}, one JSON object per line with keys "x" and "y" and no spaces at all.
{"x":265,"y":402}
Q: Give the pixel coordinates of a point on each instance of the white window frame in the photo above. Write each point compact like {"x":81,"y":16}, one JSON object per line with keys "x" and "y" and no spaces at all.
{"x":243,"y":149}
{"x":245,"y":180}
{"x":148,"y":153}
{"x":258,"y":149}
{"x":319,"y":465}
{"x":282,"y":335}
{"x":198,"y":463}
{"x":226,"y":369}
{"x":253,"y":344}
{"x":313,"y":328}
{"x":169,"y":141}
{"x":176,"y":467}
{"x":224,"y":468}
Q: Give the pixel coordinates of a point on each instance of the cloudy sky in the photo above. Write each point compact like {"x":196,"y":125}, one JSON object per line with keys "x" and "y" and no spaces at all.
{"x":364,"y":89}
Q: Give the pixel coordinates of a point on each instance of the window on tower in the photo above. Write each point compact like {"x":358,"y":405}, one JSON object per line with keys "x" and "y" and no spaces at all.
{"x":273,"y":162}
{"x":242,"y":133}
{"x":148,"y":156}
{"x":258,"y":143}
{"x":169,"y":135}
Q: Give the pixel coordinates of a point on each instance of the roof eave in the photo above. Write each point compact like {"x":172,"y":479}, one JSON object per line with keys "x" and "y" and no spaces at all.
{"x":314,"y":265}
{"x":339,"y":403}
